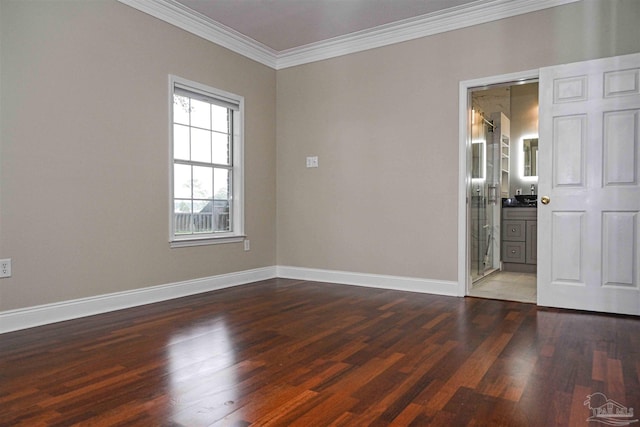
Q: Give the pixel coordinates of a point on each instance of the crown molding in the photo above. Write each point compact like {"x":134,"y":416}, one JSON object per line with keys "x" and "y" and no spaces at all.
{"x":187,"y":19}
{"x":479,"y":12}
{"x":475,"y":13}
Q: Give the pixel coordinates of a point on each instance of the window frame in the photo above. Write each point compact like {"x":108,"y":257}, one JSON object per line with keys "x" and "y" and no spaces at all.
{"x":236,"y":198}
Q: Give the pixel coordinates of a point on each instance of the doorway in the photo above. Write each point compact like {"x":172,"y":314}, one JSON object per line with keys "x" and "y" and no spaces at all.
{"x":500,"y":116}
{"x":589,"y":192}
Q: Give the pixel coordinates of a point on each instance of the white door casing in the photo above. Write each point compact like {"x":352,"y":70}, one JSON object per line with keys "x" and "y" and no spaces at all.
{"x":589,"y":151}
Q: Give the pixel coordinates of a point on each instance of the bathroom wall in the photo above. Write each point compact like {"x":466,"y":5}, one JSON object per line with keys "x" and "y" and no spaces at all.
{"x":520,"y":104}
{"x":524,"y":125}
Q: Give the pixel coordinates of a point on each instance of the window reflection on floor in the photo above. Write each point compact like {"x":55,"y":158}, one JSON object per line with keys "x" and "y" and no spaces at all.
{"x":202,"y":374}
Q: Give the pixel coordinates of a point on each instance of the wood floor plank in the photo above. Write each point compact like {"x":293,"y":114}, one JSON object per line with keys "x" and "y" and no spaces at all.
{"x":290,"y":352}
{"x":578,"y":415}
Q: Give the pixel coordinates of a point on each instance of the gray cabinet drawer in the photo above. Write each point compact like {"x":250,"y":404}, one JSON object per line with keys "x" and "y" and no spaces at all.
{"x":513,"y":252}
{"x":514,"y":230}
{"x":528,"y":214}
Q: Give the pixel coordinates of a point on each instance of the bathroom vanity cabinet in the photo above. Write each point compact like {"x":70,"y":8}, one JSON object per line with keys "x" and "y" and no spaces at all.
{"x":519,"y":239}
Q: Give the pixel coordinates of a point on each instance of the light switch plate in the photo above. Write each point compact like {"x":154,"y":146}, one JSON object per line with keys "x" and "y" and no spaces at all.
{"x":312,"y":162}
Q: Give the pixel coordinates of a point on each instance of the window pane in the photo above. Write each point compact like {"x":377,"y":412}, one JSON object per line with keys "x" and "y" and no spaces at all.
{"x":182,"y":181}
{"x":204,"y":170}
{"x":202,"y":182}
{"x":220,"y":148}
{"x":180,"y":109}
{"x":220,"y":119}
{"x":182,"y":216}
{"x":200,"y":145}
{"x":221,"y":215}
{"x":221,"y":184}
{"x":203,"y":206}
{"x":181,"y":142}
{"x":202,"y":216}
{"x":200,"y":114}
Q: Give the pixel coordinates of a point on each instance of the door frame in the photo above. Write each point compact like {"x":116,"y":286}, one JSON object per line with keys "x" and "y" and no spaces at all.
{"x":464,"y":164}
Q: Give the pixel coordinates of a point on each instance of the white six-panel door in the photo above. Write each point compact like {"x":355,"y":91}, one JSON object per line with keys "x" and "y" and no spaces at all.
{"x":589,"y":168}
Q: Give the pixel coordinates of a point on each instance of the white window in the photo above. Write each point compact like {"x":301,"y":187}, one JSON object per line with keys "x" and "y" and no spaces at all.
{"x":206,"y":164}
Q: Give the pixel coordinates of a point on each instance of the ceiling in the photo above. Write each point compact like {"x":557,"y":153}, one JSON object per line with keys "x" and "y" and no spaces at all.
{"x":286,"y":33}
{"x":287,"y":24}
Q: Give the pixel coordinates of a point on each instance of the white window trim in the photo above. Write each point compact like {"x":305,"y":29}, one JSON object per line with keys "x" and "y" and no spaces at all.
{"x":237,"y":196}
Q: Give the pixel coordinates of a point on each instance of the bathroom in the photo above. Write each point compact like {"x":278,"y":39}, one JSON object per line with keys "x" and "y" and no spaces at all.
{"x":503,"y":210}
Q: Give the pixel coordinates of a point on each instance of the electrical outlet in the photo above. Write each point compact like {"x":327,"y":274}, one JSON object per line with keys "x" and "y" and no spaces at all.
{"x":247,"y":244}
{"x":5,"y":267}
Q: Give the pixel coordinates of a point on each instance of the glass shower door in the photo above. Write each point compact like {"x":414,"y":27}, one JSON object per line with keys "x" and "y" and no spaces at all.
{"x":484,"y":198}
{"x":481,"y":232}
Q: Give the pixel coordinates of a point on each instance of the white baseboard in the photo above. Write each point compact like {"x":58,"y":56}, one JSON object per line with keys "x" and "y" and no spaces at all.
{"x":398,"y":283}
{"x":29,"y":317}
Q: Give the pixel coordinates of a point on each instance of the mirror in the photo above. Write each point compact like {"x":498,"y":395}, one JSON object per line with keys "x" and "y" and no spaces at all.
{"x":530,"y":148}
{"x":477,"y":159}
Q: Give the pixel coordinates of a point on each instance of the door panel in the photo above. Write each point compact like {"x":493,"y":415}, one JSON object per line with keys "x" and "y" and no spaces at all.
{"x":569,"y":135}
{"x":621,"y":83}
{"x":567,"y":257}
{"x":589,"y":151}
{"x":620,"y":230}
{"x":620,"y":147}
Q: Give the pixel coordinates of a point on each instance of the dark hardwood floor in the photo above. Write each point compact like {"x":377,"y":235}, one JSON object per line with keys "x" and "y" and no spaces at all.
{"x":295,"y":353}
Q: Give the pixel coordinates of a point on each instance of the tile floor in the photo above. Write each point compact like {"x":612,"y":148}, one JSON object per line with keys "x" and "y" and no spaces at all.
{"x":506,"y":285}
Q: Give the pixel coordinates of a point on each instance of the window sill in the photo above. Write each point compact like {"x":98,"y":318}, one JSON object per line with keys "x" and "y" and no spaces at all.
{"x":203,"y":241}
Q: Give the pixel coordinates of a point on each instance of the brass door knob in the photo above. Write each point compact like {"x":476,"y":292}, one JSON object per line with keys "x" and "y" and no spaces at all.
{"x":545,"y":200}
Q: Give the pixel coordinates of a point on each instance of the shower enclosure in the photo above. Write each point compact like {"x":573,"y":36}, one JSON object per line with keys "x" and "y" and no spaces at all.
{"x":485,"y":194}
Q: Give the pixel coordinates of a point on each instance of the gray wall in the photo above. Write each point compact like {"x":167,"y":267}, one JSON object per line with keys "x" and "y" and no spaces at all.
{"x":384,"y":124}
{"x":84,"y":144}
{"x":84,"y":151}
